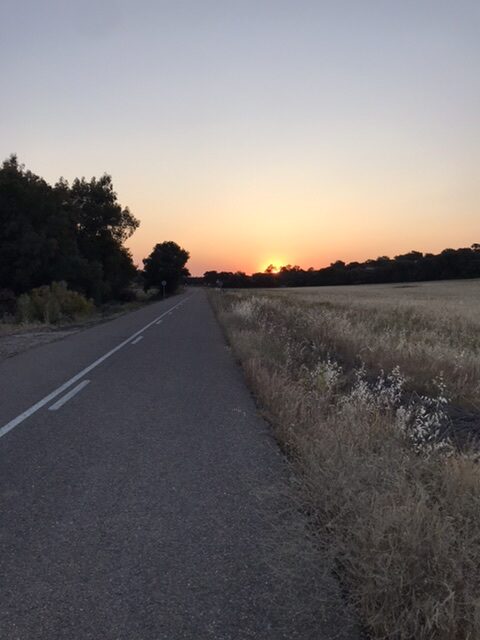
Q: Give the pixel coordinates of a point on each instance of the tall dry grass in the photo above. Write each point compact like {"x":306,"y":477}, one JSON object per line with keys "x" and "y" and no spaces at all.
{"x":399,"y":512}
{"x":427,"y":329}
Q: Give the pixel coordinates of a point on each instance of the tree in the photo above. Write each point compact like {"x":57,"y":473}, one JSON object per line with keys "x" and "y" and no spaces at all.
{"x":99,"y":212}
{"x":37,"y":234}
{"x":166,"y":263}
{"x":102,"y":228}
{"x":210,"y":277}
{"x":62,"y":233}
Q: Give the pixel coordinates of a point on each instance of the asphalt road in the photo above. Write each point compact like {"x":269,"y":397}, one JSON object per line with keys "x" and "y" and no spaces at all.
{"x":132,"y":469}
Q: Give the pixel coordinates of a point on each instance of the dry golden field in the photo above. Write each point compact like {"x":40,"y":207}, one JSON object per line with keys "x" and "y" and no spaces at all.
{"x":364,"y":386}
{"x":427,"y":329}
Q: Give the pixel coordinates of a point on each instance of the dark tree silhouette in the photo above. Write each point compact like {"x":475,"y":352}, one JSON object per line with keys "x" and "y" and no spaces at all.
{"x":166,"y":263}
{"x":102,"y":227}
{"x":74,"y":234}
{"x":410,"y":267}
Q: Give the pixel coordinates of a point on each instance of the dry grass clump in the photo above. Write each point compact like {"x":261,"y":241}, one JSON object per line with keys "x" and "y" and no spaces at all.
{"x":399,"y":510}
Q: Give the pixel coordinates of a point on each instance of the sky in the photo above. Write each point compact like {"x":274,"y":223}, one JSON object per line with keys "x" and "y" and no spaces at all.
{"x":256,"y":131}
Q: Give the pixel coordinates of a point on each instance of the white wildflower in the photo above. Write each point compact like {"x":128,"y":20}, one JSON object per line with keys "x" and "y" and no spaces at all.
{"x":326,"y":375}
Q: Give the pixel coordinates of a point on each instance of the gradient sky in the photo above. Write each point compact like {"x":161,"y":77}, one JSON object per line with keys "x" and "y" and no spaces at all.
{"x":257,"y":131}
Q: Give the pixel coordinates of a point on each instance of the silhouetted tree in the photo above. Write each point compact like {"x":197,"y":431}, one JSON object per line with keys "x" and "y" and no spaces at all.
{"x":102,"y":227}
{"x":210,"y":278}
{"x":166,"y":262}
{"x":409,"y":267}
{"x":74,"y":234}
{"x":37,"y":235}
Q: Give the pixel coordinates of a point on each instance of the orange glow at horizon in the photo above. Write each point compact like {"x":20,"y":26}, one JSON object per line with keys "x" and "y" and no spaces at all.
{"x":343,"y":210}
{"x":276,"y":263}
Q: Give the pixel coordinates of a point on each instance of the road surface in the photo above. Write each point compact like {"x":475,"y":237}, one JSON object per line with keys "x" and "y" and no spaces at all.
{"x":132,"y":466}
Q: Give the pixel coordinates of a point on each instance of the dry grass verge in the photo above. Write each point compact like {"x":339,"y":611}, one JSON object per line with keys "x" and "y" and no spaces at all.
{"x":399,"y":511}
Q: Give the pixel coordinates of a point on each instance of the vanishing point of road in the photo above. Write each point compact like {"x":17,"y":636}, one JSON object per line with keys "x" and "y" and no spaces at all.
{"x":132,"y":469}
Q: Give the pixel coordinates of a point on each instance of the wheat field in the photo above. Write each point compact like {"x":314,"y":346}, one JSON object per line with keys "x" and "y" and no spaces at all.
{"x":427,"y":329}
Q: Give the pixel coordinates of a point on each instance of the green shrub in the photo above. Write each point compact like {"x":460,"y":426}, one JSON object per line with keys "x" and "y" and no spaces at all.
{"x":51,"y":304}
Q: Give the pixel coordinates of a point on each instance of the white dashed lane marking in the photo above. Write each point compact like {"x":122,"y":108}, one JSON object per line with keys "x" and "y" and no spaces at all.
{"x":68,"y":396}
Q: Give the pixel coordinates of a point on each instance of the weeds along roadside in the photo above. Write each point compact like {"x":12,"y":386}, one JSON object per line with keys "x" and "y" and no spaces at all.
{"x":54,"y":306}
{"x":399,"y":511}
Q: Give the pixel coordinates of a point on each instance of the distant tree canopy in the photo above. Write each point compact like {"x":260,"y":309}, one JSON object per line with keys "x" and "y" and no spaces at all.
{"x":166,"y":263}
{"x":409,"y":267}
{"x":63,"y":233}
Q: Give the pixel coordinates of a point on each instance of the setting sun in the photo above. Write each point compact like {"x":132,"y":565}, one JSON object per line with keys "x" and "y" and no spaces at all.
{"x":273,"y":266}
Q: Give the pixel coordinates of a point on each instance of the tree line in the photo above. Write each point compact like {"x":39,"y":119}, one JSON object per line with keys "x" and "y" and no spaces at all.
{"x":409,"y":267}
{"x":74,"y":233}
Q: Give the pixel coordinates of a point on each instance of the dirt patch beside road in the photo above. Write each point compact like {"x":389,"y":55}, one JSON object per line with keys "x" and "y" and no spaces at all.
{"x":16,"y":340}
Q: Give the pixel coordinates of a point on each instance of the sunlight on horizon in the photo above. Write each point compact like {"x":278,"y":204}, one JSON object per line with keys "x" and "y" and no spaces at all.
{"x":277,"y":264}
